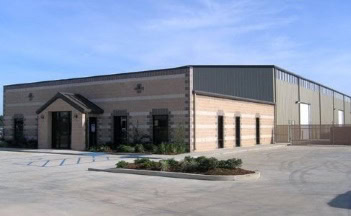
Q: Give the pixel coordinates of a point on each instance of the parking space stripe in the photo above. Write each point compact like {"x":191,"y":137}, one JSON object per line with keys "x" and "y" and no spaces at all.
{"x":63,"y":161}
{"x":45,"y":163}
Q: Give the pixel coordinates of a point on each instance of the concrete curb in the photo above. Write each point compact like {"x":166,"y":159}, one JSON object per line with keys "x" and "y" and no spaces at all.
{"x":253,"y":176}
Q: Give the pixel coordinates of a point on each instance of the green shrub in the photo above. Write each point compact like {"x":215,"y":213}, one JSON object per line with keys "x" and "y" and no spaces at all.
{"x":122,"y":164}
{"x":189,"y":166}
{"x":205,"y":164}
{"x":141,"y":160}
{"x":230,"y":163}
{"x":145,"y":163}
{"x":171,"y":148}
{"x":126,"y":149}
{"x":169,"y":165}
{"x":165,"y":166}
{"x":139,"y":148}
{"x":100,"y":148}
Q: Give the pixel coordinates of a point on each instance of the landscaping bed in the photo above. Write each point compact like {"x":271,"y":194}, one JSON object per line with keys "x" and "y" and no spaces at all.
{"x":200,"y":165}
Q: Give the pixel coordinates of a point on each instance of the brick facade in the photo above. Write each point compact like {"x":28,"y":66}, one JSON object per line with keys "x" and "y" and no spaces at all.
{"x":207,"y":109}
{"x":138,"y":96}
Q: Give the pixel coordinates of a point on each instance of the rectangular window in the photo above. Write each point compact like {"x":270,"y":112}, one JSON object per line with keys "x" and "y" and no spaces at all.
{"x":237,"y":131}
{"x":18,"y":130}
{"x":220,"y":132}
{"x":120,"y":131}
{"x":160,"y":129}
{"x":258,"y":131}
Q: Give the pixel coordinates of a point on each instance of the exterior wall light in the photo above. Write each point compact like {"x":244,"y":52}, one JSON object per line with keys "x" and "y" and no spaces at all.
{"x":76,"y":116}
{"x":42,"y":116}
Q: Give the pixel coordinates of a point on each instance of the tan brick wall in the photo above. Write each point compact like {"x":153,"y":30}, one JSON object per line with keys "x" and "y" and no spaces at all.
{"x":168,"y":91}
{"x":207,"y":110}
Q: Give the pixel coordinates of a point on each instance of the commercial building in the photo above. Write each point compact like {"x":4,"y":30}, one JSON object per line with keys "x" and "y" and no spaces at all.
{"x":216,"y":106}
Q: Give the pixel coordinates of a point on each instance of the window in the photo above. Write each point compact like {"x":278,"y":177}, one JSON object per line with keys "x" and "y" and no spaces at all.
{"x":18,"y":130}
{"x":286,"y":77}
{"x":220,"y":132}
{"x":160,"y":129}
{"x":309,"y":85}
{"x":237,"y":131}
{"x":258,"y":131}
{"x":120,"y":132}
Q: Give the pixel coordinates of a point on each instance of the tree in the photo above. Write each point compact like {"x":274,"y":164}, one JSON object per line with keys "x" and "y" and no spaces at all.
{"x":1,"y":121}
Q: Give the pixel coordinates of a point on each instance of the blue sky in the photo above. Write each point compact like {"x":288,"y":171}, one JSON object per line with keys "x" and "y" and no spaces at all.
{"x":55,"y":39}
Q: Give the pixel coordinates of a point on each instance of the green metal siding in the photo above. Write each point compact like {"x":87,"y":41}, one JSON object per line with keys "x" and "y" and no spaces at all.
{"x":327,"y":109}
{"x":347,"y":113}
{"x":287,"y":108}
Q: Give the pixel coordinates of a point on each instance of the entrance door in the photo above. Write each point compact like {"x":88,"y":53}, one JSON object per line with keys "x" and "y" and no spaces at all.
{"x":340,"y":117}
{"x":92,"y":131}
{"x":305,"y":120}
{"x":61,"y":130}
{"x":160,"y":129}
{"x":237,"y":131}
{"x":120,"y":130}
{"x":220,"y":132}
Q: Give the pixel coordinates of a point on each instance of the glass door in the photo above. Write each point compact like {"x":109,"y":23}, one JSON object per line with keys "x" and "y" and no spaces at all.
{"x":61,"y":130}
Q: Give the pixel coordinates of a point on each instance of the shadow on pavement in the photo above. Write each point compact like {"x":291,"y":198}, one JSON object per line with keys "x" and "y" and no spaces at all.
{"x":341,"y":201}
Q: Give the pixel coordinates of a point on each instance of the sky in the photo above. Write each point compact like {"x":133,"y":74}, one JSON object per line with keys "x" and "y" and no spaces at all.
{"x":57,"y":39}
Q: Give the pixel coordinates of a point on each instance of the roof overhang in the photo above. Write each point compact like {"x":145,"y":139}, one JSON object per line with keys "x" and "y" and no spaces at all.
{"x":77,"y":101}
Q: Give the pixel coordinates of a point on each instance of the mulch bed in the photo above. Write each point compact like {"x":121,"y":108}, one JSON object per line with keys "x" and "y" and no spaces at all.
{"x":218,"y":171}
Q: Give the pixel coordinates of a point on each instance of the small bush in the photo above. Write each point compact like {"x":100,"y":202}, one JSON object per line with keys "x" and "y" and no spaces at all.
{"x":145,"y":163}
{"x":139,"y":148}
{"x":126,"y":149}
{"x":169,"y":165}
{"x":230,"y":164}
{"x":171,"y":148}
{"x":122,"y":164}
{"x":205,"y":164}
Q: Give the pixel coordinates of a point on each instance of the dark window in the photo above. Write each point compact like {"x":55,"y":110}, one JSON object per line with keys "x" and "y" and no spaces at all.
{"x":220,"y":132}
{"x":160,"y":129}
{"x":61,"y":130}
{"x":120,"y":130}
{"x":258,"y":131}
{"x":18,"y":133}
{"x":237,"y":131}
{"x":92,"y":131}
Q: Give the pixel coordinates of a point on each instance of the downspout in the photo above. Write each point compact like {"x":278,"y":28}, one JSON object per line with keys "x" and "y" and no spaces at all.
{"x":299,"y":99}
{"x":333,"y":108}
{"x":320,"y":111}
{"x":344,"y":109}
{"x":194,"y":120}
{"x":275,"y":104}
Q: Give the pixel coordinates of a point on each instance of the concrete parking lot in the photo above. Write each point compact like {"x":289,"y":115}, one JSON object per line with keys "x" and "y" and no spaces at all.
{"x":306,"y":180}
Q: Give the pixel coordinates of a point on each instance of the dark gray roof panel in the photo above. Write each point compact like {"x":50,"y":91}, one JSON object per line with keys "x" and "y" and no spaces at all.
{"x":245,"y":82}
{"x":149,"y":73}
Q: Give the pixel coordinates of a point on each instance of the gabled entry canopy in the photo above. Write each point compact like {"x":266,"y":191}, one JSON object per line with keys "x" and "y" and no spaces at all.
{"x":77,"y":101}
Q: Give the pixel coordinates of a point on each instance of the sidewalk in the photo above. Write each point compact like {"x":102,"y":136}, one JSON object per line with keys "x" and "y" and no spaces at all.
{"x":213,"y":153}
{"x":220,"y":152}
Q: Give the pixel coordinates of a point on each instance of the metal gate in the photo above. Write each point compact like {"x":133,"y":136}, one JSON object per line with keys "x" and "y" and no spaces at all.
{"x":314,"y":134}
